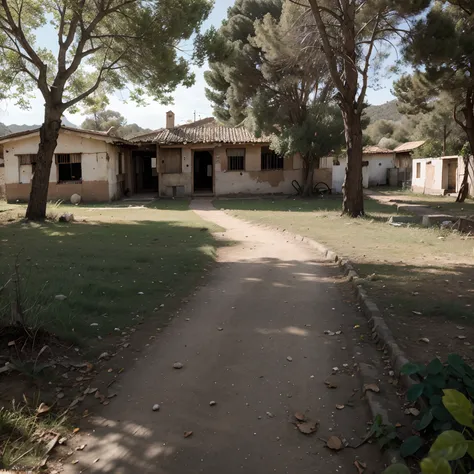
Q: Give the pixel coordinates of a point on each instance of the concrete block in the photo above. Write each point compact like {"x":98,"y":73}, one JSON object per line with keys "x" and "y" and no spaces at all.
{"x":436,"y":219}
{"x":405,"y":219}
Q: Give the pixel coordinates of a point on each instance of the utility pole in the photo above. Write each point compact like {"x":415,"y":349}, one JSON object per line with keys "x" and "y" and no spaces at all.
{"x":194,"y":116}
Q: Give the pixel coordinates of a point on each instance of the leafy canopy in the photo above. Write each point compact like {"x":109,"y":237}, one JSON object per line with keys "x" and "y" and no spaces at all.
{"x":115,"y":44}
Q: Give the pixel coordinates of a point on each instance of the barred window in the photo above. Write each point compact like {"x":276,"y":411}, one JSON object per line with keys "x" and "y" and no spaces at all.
{"x":271,"y":160}
{"x":27,"y":159}
{"x":235,"y":159}
{"x":69,"y":167}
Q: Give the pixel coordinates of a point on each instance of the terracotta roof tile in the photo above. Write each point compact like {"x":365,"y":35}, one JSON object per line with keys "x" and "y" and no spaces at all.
{"x":375,"y":150}
{"x":202,"y":131}
{"x":409,"y":146}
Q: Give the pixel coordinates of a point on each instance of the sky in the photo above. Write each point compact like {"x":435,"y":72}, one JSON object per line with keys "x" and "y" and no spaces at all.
{"x":186,"y":100}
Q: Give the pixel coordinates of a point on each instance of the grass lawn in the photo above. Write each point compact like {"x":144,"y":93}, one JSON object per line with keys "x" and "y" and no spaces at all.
{"x":114,"y":263}
{"x":440,"y":204}
{"x":429,"y":271}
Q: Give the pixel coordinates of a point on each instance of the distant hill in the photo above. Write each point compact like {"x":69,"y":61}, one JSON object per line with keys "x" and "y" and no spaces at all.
{"x":387,"y":111}
{"x":14,"y":128}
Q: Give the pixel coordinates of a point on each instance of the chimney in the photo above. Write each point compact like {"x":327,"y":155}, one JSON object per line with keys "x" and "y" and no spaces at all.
{"x":170,"y":119}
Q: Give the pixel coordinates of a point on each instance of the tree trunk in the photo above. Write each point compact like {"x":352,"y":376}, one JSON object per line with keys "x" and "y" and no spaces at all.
{"x":464,"y":189}
{"x":352,"y":192}
{"x":49,"y":133}
{"x":308,"y":179}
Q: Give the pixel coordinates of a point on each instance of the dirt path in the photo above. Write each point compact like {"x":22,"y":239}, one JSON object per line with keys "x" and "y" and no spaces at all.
{"x":268,"y":301}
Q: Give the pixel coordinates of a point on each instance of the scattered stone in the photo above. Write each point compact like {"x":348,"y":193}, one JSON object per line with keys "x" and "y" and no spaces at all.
{"x":94,"y":324}
{"x":371,"y":387}
{"x":212,"y":403}
{"x":187,"y":434}
{"x":60,"y":297}
{"x":412,"y":411}
{"x":300,"y":416}
{"x":329,"y":333}
{"x":340,"y":407}
{"x":178,"y":365}
{"x":334,"y":443}
{"x":289,"y":359}
{"x":307,"y":427}
{"x":141,"y":293}
{"x":391,"y":373}
{"x":425,"y":340}
{"x":66,"y":217}
{"x":338,"y":333}
{"x":269,"y":414}
{"x":220,"y":329}
{"x":60,"y":395}
{"x":417,"y":313}
{"x":461,"y":337}
{"x":156,"y":407}
{"x":335,"y":370}
{"x":104,"y":355}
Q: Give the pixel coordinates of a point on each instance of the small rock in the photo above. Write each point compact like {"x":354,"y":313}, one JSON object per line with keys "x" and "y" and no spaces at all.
{"x":66,"y":217}
{"x":60,"y":297}
{"x":329,"y":333}
{"x":338,"y":333}
{"x":104,"y":355}
{"x":417,"y":313}
{"x":220,"y":329}
{"x":269,"y":414}
{"x":94,"y":324}
{"x":212,"y":403}
{"x":425,"y":340}
{"x":391,"y":373}
{"x":335,"y":369}
{"x":289,"y":359}
{"x":412,"y":411}
{"x":178,"y":365}
{"x":60,"y":395}
{"x":461,"y":337}
{"x":141,"y":293}
{"x":156,"y":407}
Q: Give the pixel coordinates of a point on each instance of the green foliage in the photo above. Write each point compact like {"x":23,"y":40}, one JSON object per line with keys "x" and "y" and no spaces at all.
{"x":254,"y":78}
{"x":114,"y":44}
{"x":440,"y":48}
{"x":103,"y":120}
{"x":445,"y":392}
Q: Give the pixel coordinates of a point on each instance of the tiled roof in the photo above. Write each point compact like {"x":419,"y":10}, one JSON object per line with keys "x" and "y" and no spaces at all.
{"x":376,"y":150}
{"x":409,"y":146}
{"x":25,"y":133}
{"x":202,"y":131}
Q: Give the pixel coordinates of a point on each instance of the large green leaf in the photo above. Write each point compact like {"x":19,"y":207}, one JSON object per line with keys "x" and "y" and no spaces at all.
{"x":451,"y":445}
{"x":457,"y":363}
{"x":441,"y":414}
{"x":411,"y":369}
{"x":470,"y":449}
{"x":436,"y":400}
{"x":435,"y":466}
{"x":415,"y":391}
{"x":459,"y":407}
{"x":435,"y":367}
{"x":410,"y":446}
{"x":397,"y":469}
{"x":437,"y":380}
{"x":425,"y":421}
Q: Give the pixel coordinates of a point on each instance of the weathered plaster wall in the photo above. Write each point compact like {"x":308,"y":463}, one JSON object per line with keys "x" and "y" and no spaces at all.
{"x":97,"y":168}
{"x":254,"y":180}
{"x":377,"y":169}
{"x":167,"y":181}
{"x":430,"y":177}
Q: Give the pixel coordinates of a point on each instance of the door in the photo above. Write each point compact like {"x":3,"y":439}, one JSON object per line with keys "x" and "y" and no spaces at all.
{"x":203,"y":171}
{"x":452,"y":172}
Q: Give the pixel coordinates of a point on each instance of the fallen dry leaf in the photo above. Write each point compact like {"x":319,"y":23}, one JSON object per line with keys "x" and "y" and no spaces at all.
{"x":75,"y":461}
{"x":300,"y":416}
{"x":307,"y":427}
{"x":81,"y":447}
{"x":340,"y":407}
{"x":372,"y":387}
{"x":360,"y":466}
{"x":398,"y":425}
{"x":51,"y":445}
{"x":187,"y":434}
{"x":330,"y":384}
{"x":412,"y":411}
{"x":76,"y":430}
{"x":43,"y":408}
{"x":334,"y":443}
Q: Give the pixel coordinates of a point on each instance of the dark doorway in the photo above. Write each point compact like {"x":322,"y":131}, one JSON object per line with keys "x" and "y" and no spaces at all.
{"x":203,"y":171}
{"x":146,"y":176}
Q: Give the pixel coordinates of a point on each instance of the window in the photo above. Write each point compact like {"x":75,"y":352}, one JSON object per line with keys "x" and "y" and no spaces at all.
{"x":27,"y":165}
{"x":418,"y":170}
{"x":270,"y":160}
{"x":235,"y":159}
{"x":171,"y":160}
{"x":69,"y":167}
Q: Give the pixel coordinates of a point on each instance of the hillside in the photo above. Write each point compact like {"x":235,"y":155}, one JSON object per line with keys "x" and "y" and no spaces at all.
{"x":14,"y":128}
{"x":387,"y":111}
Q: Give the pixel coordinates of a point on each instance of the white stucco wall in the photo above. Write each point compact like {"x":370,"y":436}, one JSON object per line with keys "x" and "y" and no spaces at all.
{"x":423,"y":183}
{"x":95,"y":166}
{"x":377,"y":169}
